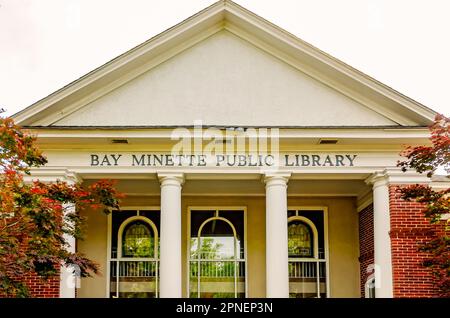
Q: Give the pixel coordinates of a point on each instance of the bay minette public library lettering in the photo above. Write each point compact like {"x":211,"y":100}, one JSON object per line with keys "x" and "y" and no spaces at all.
{"x":286,"y":189}
{"x":219,"y":160}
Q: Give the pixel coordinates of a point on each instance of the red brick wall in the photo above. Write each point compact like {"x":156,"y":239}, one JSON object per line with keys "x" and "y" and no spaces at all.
{"x":39,"y":288}
{"x":43,"y":289}
{"x":408,"y":229}
{"x":366,"y":254}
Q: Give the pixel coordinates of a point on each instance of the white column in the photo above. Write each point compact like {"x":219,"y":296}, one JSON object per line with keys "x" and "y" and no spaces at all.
{"x":382,"y":240}
{"x":277,"y":275}
{"x":170,"y":228}
{"x":68,"y":274}
{"x":68,"y":279}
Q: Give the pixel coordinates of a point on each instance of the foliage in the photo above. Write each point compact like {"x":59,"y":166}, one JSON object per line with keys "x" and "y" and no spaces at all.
{"x":219,"y":265}
{"x":427,"y":159}
{"x":37,"y":218}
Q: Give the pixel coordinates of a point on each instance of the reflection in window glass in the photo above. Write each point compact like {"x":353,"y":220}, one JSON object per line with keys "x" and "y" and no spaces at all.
{"x":217,"y":241}
{"x":138,"y":240}
{"x":216,"y":268}
{"x":300,"y":238}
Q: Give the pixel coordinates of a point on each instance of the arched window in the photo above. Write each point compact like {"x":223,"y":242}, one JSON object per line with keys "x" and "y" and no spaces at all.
{"x":138,"y":240}
{"x":307,"y":266}
{"x":300,"y":239}
{"x":135,"y":270}
{"x":217,"y":263}
{"x":217,"y":240}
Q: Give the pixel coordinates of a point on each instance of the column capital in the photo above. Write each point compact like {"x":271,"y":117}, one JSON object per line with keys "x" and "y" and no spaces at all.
{"x":171,"y":178}
{"x":378,"y":178}
{"x":276,"y":178}
{"x":72,"y":177}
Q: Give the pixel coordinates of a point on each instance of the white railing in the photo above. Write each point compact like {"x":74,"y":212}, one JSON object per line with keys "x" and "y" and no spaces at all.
{"x":142,"y":272}
{"x":308,"y":270}
{"x":217,"y":268}
{"x":213,"y":275}
{"x":134,"y":268}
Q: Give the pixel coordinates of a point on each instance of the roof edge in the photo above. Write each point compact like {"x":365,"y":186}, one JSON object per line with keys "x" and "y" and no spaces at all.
{"x":25,"y":115}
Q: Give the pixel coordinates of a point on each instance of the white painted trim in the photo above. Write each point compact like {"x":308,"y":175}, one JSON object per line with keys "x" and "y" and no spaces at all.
{"x":188,"y":238}
{"x":216,"y":173}
{"x":140,"y":208}
{"x":440,"y":185}
{"x":361,"y":206}
{"x":152,"y":132}
{"x":216,"y":218}
{"x":327,"y":254}
{"x":364,"y":200}
{"x":324,"y":210}
{"x":108,"y":254}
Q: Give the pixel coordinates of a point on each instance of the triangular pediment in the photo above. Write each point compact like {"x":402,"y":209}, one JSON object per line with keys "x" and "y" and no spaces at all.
{"x":225,"y":81}
{"x":225,"y":67}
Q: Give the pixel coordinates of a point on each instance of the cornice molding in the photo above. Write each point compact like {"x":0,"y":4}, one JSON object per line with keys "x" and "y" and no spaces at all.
{"x":396,"y":176}
{"x":53,"y":174}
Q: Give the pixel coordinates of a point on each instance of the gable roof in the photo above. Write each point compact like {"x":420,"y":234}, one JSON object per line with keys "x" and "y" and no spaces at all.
{"x":226,"y":15}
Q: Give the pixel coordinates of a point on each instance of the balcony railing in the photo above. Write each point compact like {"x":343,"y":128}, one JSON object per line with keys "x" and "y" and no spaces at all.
{"x":134,"y":277}
{"x":307,"y":277}
{"x":217,"y":278}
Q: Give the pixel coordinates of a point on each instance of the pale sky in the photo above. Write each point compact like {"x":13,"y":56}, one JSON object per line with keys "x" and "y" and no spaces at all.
{"x":46,"y":44}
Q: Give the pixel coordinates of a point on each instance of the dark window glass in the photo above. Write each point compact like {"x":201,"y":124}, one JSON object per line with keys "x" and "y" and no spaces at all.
{"x":118,"y":217}
{"x":317,"y":218}
{"x":300,"y":239}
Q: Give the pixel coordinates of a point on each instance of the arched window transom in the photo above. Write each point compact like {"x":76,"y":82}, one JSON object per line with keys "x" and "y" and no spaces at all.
{"x":138,"y":240}
{"x":300,"y":239}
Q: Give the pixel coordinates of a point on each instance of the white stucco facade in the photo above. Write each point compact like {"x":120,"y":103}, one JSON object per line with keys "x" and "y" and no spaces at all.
{"x":236,"y":85}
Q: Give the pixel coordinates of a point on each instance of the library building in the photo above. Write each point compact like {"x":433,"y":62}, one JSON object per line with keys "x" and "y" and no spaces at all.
{"x":252,"y":163}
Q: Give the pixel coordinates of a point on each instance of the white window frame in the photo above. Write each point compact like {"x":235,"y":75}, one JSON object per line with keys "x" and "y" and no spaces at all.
{"x":324,"y":210}
{"x":109,"y":238}
{"x":188,"y":239}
